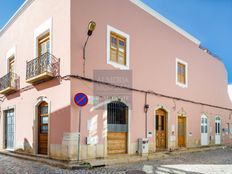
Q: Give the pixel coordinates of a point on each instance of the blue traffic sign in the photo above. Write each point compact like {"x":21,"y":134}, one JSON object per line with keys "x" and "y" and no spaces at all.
{"x":81,"y":99}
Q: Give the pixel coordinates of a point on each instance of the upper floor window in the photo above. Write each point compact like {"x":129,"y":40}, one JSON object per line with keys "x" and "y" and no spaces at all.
{"x":11,"y":63}
{"x":181,"y":73}
{"x":117,"y":48}
{"x":43,"y":44}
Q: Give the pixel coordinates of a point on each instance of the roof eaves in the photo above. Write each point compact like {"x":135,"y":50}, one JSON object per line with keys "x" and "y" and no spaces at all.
{"x":16,"y":15}
{"x":164,"y":20}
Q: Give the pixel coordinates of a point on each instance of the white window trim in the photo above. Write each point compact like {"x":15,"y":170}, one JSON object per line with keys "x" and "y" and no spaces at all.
{"x":186,"y":75}
{"x":114,"y":64}
{"x":10,"y":53}
{"x":43,"y":29}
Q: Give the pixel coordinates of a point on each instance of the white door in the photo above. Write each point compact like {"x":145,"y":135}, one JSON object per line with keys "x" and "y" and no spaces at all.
{"x":217,"y":130}
{"x":204,"y":130}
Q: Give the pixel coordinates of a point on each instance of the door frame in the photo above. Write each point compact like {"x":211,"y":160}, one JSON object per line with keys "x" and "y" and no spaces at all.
{"x":217,"y":116}
{"x":186,"y":130}
{"x":106,"y":129}
{"x":4,"y":127}
{"x":204,"y":114}
{"x":167,"y":126}
{"x":35,"y":125}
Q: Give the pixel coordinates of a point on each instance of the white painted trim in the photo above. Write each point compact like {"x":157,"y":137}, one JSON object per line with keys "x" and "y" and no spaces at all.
{"x":9,"y":54}
{"x":35,"y":124}
{"x":186,"y":75}
{"x":41,"y":30}
{"x":114,"y":64}
{"x":21,"y":9}
{"x":164,"y":20}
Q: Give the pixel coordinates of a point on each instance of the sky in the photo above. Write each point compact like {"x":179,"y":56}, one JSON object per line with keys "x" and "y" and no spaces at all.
{"x":210,"y":21}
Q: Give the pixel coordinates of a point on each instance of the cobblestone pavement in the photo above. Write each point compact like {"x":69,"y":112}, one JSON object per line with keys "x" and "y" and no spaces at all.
{"x":198,"y":162}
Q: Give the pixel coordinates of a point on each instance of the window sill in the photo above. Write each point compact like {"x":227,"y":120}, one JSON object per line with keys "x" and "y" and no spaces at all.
{"x":181,"y":85}
{"x":118,"y":66}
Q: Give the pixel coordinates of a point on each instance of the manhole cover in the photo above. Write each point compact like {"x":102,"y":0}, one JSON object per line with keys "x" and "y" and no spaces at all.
{"x":135,"y":172}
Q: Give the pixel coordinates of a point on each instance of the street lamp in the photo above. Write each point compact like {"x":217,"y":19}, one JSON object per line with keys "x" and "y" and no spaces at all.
{"x":91,"y":27}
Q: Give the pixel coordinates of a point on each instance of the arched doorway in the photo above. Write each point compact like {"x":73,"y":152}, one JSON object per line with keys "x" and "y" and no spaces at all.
{"x":117,"y":127}
{"x":161,"y":129}
{"x":204,"y":130}
{"x":43,"y":128}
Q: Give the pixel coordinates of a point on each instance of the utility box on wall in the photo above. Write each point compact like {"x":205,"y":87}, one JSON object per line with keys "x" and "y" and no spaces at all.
{"x":143,"y":146}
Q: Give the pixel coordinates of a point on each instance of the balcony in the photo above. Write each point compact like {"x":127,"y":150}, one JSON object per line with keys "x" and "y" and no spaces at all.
{"x":42,"y":68}
{"x":9,"y":83}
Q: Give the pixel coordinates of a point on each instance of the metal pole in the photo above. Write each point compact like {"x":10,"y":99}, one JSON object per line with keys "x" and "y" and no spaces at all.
{"x":79,"y":136}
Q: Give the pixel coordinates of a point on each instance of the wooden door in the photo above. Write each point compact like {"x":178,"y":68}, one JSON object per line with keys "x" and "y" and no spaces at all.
{"x":161,"y":129}
{"x":181,"y":131}
{"x":43,"y":128}
{"x":117,"y":142}
{"x":117,"y":128}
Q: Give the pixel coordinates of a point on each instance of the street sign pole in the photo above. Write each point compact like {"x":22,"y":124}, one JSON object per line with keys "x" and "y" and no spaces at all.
{"x":79,"y":136}
{"x":80,"y":100}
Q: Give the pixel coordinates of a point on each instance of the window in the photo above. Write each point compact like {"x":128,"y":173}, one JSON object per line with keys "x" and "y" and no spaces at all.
{"x":181,"y":73}
{"x":117,"y":48}
{"x":43,"y":44}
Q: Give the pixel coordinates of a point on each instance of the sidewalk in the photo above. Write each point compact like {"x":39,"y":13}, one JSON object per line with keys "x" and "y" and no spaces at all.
{"x":111,"y":160}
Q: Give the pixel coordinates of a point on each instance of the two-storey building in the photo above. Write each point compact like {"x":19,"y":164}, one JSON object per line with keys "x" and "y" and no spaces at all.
{"x":144,"y":76}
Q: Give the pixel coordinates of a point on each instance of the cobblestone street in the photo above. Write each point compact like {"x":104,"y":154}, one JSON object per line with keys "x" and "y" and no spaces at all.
{"x":204,"y":162}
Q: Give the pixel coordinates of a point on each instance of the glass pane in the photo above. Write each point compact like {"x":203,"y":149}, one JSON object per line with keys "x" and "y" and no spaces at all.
{"x":44,"y":110}
{"x":206,"y":129}
{"x":202,"y":129}
{"x":216,"y":131}
{"x":219,"y":128}
{"x":162,"y":122}
{"x":157,"y":122}
{"x":44,"y":129}
{"x":113,"y":42}
{"x":121,"y":46}
{"x":44,"y":120}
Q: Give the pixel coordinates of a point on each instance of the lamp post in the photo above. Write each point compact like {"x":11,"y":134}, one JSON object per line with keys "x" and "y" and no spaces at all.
{"x":91,"y":27}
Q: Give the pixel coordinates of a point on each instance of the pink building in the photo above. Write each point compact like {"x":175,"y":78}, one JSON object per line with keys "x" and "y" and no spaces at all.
{"x":175,"y":94}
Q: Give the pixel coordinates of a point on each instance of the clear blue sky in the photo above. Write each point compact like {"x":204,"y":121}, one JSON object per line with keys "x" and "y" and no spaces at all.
{"x":210,"y":21}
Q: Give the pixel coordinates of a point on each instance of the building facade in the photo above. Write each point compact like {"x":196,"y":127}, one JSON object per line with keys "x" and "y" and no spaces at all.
{"x":177,"y":91}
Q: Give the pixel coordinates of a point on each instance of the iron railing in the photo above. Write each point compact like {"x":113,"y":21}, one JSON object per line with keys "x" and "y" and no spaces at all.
{"x":45,"y":63}
{"x":9,"y":80}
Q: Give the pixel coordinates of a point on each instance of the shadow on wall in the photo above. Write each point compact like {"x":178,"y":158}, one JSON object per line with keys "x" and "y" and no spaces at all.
{"x":27,"y":148}
{"x":47,"y":84}
{"x":59,"y":124}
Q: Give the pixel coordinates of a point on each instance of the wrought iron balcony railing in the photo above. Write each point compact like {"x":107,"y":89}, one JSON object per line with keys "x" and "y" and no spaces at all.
{"x":9,"y":83}
{"x":41,"y":68}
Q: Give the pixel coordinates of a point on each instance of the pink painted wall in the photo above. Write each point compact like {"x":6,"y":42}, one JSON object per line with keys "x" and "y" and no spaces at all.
{"x":21,"y":35}
{"x":154,"y":48}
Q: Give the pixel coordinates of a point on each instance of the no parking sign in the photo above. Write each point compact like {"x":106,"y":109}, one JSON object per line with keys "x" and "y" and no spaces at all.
{"x":81,"y":99}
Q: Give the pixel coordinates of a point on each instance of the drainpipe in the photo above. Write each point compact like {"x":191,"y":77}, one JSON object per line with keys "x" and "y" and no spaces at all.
{"x":146,"y":106}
